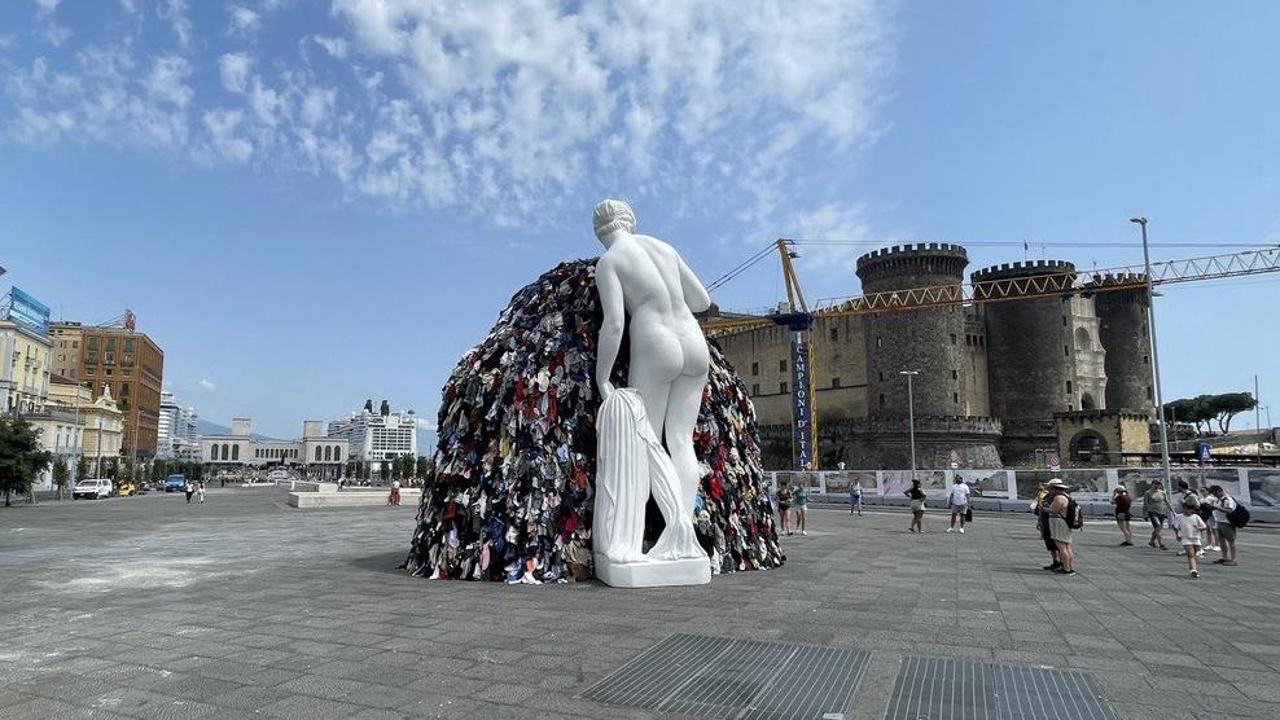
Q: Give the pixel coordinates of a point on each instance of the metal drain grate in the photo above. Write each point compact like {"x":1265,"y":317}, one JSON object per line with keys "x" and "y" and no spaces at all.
{"x":951,"y":689}
{"x":712,"y":677}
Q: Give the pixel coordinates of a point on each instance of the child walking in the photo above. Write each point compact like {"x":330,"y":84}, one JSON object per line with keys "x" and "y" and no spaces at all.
{"x":1188,"y":527}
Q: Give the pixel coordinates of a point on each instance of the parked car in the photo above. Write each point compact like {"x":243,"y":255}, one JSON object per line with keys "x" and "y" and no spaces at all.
{"x":125,"y":489}
{"x":96,"y":488}
{"x":175,"y":482}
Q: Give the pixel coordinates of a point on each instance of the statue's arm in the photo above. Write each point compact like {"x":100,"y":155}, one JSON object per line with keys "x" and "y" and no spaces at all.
{"x":695,"y":296}
{"x":611,"y":326}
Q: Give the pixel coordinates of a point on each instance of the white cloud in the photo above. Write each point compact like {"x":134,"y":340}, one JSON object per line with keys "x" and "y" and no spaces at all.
{"x":208,"y":385}
{"x":234,"y":70}
{"x":467,"y":105}
{"x":335,"y":46}
{"x":244,"y":20}
{"x":47,"y":6}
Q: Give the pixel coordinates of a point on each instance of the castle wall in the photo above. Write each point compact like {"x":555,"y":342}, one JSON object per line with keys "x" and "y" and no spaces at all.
{"x":1122,"y":329}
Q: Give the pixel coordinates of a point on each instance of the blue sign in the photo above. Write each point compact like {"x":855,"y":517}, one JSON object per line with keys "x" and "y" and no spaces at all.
{"x":801,"y":403}
{"x":26,"y":311}
{"x":1202,"y":452}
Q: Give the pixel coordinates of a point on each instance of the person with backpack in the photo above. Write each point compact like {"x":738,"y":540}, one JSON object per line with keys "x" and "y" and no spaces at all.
{"x":1231,"y":516}
{"x":917,"y":497}
{"x":1040,"y":506}
{"x":1122,"y":502}
{"x":1207,"y":505}
{"x":1064,"y":517}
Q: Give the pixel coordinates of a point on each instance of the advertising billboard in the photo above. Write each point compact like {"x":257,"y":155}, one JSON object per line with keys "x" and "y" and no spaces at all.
{"x":801,"y":403}
{"x":21,"y":308}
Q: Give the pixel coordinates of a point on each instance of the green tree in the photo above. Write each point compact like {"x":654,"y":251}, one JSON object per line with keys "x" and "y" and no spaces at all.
{"x":384,"y":470}
{"x":82,"y":468}
{"x":424,"y":466}
{"x":1203,"y":410}
{"x":159,"y":470}
{"x":21,"y":457}
{"x":61,"y":476}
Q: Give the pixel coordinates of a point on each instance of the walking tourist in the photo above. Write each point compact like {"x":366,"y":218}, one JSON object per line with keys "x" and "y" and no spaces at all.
{"x":1040,"y":506}
{"x":1122,"y":502}
{"x":784,"y":506}
{"x":802,"y":502}
{"x":200,"y":491}
{"x":855,"y":498}
{"x":190,"y":490}
{"x":959,"y":502}
{"x":1208,"y":503}
{"x":1059,"y":530}
{"x":1226,"y":531}
{"x":1155,"y":503}
{"x":1188,"y":525}
{"x":1188,"y":500}
{"x":393,"y":498}
{"x":916,"y":494}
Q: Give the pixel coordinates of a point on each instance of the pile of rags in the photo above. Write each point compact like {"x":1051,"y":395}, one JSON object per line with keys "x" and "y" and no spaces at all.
{"x":509,"y":493}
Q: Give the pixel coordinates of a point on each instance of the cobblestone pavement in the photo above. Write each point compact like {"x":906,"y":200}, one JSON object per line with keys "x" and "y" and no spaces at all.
{"x":150,"y":608}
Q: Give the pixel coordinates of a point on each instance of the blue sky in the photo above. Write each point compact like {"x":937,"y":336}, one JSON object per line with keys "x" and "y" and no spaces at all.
{"x":309,"y":204}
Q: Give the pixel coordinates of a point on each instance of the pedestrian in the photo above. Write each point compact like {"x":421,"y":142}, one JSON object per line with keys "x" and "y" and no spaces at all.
{"x":1208,"y":503}
{"x":784,"y":505}
{"x":802,"y":502}
{"x":1059,"y":529}
{"x":1155,"y":503}
{"x":855,"y":497}
{"x":959,"y":502}
{"x":1188,"y":500}
{"x":1040,"y":506}
{"x":393,"y":497}
{"x":200,"y":491}
{"x":1187,"y":526}
{"x":190,"y":490}
{"x":1226,"y":531}
{"x":1122,"y":502}
{"x":917,"y":496}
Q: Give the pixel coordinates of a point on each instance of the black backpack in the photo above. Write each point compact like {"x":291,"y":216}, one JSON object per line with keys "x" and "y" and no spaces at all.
{"x":1074,"y":515}
{"x":1239,"y":516}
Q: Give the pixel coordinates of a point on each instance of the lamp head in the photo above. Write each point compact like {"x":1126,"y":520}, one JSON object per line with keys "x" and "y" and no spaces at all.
{"x":1139,"y":220}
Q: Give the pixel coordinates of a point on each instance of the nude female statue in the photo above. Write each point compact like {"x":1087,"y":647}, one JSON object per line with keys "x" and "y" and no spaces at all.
{"x":644,"y":279}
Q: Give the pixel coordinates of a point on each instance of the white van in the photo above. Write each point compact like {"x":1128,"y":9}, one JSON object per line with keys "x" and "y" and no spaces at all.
{"x":96,"y":488}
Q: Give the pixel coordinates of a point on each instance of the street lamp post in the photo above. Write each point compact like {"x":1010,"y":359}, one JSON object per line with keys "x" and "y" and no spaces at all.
{"x":911,"y":418}
{"x":1155,"y":355}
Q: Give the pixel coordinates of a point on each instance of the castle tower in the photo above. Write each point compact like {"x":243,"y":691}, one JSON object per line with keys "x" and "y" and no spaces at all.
{"x":931,"y":341}
{"x":1122,"y":328}
{"x":1030,"y":368}
{"x":928,"y":340}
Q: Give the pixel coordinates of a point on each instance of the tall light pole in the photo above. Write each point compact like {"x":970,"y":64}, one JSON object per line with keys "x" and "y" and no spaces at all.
{"x":1155,"y":354}
{"x":1257,"y":417}
{"x":911,"y":417}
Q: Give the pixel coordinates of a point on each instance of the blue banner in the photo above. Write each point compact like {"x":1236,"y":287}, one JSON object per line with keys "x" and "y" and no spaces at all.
{"x":801,"y":403}
{"x":25,"y":310}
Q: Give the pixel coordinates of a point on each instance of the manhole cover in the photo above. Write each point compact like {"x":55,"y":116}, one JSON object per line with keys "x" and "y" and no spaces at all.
{"x":951,"y":689}
{"x":713,"y":677}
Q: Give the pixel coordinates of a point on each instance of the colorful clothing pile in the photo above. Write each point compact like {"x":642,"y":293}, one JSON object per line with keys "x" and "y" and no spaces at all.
{"x":509,"y":495}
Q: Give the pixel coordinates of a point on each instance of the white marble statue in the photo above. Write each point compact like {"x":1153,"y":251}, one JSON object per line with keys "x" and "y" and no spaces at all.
{"x":644,"y":281}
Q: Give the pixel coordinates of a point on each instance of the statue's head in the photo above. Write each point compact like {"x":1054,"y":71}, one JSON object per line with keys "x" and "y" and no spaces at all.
{"x":611,"y":215}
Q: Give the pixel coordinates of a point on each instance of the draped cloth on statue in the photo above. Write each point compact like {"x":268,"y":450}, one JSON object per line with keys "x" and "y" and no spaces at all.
{"x":631,"y":465}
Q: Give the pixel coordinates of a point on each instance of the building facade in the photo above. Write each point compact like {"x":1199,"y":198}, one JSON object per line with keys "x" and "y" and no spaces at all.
{"x":128,"y":362}
{"x":176,"y":431}
{"x":102,"y":423}
{"x":994,"y":380}
{"x":24,"y":368}
{"x":315,"y":455}
{"x":375,"y":438}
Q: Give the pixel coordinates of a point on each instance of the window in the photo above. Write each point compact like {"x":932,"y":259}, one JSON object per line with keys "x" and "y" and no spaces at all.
{"x":128,"y":344}
{"x":881,"y":376}
{"x":328,"y":453}
{"x":881,"y":399}
{"x":91,"y":343}
{"x":75,"y":344}
{"x":835,"y":382}
{"x":955,"y":374}
{"x":755,"y":389}
{"x":1149,"y":397}
{"x":1068,"y":387}
{"x":226,"y":451}
{"x":953,"y":338}
{"x":109,"y":357}
{"x":782,"y":388}
{"x":1066,"y":350}
{"x":1064,"y":321}
{"x":91,"y":357}
{"x":782,"y":366}
{"x":235,"y":452}
{"x":955,"y":398}
{"x":835,"y":334}
{"x":879,"y":342}
{"x":111,"y":344}
{"x":755,"y":368}
{"x":1146,"y":360}
{"x":317,"y":453}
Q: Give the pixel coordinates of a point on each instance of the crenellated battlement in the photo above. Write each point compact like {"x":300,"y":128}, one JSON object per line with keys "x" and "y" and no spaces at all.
{"x":1029,"y":268}
{"x":911,"y":258}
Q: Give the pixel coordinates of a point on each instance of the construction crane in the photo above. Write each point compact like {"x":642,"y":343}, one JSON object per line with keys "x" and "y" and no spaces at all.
{"x":799,"y":319}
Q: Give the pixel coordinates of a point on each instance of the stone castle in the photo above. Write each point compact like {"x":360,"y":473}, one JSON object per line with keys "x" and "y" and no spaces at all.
{"x":998,"y":383}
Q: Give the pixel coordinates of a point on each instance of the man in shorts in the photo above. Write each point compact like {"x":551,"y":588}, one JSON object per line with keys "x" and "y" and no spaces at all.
{"x":959,"y":500}
{"x":1226,"y":531}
